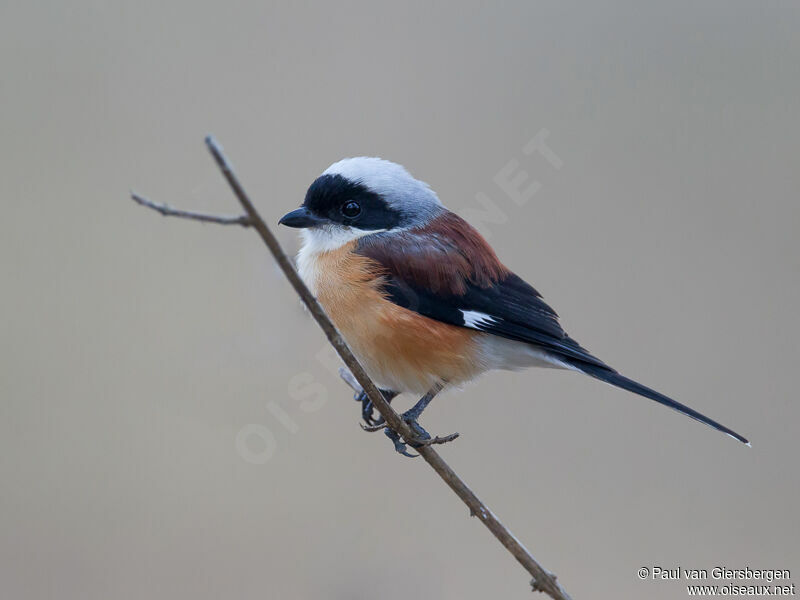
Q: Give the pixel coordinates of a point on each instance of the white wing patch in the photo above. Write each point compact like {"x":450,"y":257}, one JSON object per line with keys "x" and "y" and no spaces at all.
{"x":473,"y":318}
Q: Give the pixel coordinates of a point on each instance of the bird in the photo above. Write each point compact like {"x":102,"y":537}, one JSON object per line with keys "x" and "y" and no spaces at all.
{"x":421,"y":297}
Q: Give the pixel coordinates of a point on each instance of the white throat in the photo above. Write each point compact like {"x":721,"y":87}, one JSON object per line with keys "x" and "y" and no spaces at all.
{"x":318,"y":240}
{"x":331,"y":237}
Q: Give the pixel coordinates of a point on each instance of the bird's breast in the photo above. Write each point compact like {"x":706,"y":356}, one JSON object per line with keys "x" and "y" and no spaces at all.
{"x":400,"y":349}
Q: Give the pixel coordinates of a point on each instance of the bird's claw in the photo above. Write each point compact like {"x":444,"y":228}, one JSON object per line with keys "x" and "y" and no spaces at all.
{"x":419,"y":438}
{"x":368,"y":410}
{"x":399,"y":446}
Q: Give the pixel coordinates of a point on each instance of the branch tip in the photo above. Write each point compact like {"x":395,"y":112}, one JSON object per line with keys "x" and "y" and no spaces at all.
{"x":218,"y":153}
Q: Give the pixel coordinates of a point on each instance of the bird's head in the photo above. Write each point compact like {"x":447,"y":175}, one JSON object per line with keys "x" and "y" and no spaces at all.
{"x":360,"y":196}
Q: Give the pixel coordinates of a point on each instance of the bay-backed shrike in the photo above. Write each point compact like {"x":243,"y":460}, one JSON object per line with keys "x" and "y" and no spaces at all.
{"x":421,"y":297}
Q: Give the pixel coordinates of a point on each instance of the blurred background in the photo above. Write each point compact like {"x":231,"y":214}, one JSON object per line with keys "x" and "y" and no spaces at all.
{"x":171,"y":424}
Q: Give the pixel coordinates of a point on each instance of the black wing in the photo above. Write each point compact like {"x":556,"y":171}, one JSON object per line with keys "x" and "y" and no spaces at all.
{"x":448,"y":272}
{"x":510,"y":308}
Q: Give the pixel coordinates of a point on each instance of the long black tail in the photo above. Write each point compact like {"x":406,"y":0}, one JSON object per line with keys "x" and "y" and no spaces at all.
{"x":614,"y":378}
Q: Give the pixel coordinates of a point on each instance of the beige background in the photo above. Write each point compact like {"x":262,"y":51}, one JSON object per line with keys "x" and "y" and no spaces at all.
{"x":136,"y":349}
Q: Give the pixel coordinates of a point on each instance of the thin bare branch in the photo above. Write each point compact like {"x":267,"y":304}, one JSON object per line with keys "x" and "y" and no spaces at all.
{"x":168,"y":211}
{"x":357,"y":377}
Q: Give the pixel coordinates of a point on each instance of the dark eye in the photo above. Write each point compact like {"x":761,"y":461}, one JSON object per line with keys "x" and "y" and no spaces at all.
{"x":351,"y":209}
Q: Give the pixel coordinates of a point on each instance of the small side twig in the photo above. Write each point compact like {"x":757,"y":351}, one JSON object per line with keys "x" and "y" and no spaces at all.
{"x":168,"y":211}
{"x":543,"y":580}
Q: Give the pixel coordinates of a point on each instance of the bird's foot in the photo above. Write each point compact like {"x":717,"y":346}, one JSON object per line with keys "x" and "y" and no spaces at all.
{"x":418,"y":439}
{"x":399,"y":446}
{"x":368,"y":410}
